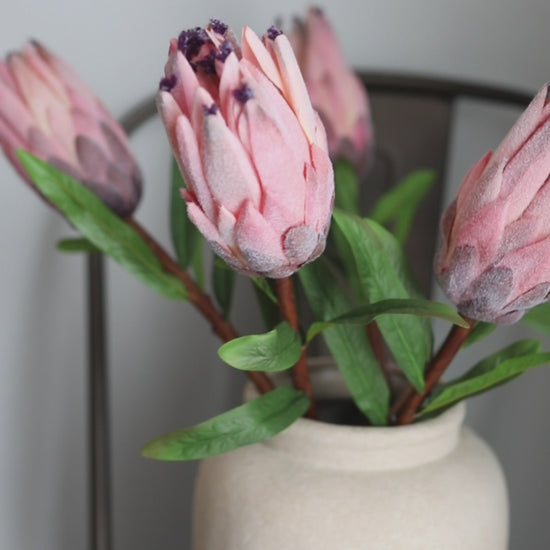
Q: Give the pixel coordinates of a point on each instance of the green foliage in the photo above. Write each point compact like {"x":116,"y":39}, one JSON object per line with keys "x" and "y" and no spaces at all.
{"x":76,"y":246}
{"x":223,"y":281}
{"x":185,"y":236}
{"x":267,"y":301}
{"x":480,"y":331}
{"x":366,"y":314}
{"x":539,"y":318}
{"x":399,"y":205}
{"x":274,"y":351}
{"x":101,"y":227}
{"x":383,"y":274}
{"x":264,"y":286}
{"x":349,"y":345}
{"x":254,"y":422}
{"x":346,"y":186}
{"x":498,"y":368}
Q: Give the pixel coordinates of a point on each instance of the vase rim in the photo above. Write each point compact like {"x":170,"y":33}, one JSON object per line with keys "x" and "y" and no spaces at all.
{"x":373,"y":448}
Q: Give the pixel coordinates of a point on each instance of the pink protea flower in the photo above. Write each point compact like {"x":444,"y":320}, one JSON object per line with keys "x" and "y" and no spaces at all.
{"x":250,"y":146}
{"x":494,"y":262}
{"x":45,"y":109}
{"x":336,"y":92}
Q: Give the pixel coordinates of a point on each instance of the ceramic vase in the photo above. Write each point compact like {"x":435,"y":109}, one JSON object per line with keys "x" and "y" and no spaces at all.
{"x":434,"y":485}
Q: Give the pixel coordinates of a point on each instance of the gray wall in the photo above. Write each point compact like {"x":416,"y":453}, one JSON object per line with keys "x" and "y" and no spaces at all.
{"x":164,"y":370}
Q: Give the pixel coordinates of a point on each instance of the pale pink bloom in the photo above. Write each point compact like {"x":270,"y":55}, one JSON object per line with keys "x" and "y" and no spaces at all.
{"x":251,"y":149}
{"x":45,"y":109}
{"x":494,"y":262}
{"x":336,"y":92}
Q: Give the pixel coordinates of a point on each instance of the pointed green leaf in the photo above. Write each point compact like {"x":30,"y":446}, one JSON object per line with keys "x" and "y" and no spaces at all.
{"x":269,"y":310}
{"x":223,"y":279}
{"x":264,"y":286}
{"x":76,"y":246}
{"x":253,"y":422}
{"x":198,"y":265}
{"x":346,"y":185}
{"x":382,"y":273}
{"x":539,"y":318}
{"x":185,"y":236}
{"x":366,"y":314}
{"x":349,"y":345}
{"x":273,"y":351}
{"x":480,"y":331}
{"x":101,"y":227}
{"x":493,"y":371}
{"x":400,"y":204}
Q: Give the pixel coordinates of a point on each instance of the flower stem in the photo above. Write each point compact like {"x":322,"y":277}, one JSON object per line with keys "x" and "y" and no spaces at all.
{"x":221,"y":326}
{"x":289,"y":311}
{"x":409,"y":404}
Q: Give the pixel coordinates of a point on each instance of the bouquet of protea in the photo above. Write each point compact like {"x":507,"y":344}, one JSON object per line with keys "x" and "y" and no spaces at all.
{"x":269,"y":135}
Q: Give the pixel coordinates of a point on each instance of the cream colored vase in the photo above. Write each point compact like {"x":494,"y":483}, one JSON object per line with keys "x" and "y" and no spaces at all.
{"x":316,"y":486}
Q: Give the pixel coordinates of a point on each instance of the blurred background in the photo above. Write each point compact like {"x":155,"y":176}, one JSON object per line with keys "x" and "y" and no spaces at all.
{"x":164,"y":370}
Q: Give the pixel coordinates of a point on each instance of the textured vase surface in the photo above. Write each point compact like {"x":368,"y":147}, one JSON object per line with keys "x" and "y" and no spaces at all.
{"x":434,"y":485}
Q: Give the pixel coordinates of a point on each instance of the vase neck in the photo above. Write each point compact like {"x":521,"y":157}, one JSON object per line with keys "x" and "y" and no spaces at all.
{"x":332,"y":446}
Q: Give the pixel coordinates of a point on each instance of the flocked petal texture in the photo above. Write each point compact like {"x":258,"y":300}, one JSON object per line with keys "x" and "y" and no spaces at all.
{"x":336,"y":92}
{"x":46,"y":110}
{"x":494,"y":260}
{"x":252,"y":151}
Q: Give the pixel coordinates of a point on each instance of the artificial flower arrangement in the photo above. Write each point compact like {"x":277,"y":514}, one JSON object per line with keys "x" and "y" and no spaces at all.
{"x":272,"y":138}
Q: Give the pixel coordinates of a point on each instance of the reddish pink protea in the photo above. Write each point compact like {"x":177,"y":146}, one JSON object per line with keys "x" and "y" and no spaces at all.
{"x":494,"y":262}
{"x":45,"y":109}
{"x":336,"y":92}
{"x":251,"y":149}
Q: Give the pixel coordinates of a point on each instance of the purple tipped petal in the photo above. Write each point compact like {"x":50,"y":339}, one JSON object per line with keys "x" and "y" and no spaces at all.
{"x":243,"y":150}
{"x":495,"y":258}
{"x":60,"y":120}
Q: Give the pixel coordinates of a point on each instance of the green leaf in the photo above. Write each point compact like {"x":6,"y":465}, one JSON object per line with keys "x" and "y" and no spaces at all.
{"x":185,"y":236}
{"x":349,"y":345}
{"x":223,"y":279}
{"x":347,"y":186}
{"x":276,"y":350}
{"x":400,"y":204}
{"x":269,"y":310}
{"x":539,"y":318}
{"x":366,"y":314}
{"x":264,"y":286}
{"x":101,"y":227}
{"x":198,"y":265}
{"x":493,"y":371}
{"x":253,"y":422}
{"x":382,"y":273}
{"x":480,"y":331}
{"x":72,"y":246}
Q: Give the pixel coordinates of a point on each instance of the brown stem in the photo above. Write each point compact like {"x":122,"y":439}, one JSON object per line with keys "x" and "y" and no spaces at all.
{"x":378,"y":347}
{"x":413,"y":400}
{"x":221,"y":326}
{"x":289,"y":311}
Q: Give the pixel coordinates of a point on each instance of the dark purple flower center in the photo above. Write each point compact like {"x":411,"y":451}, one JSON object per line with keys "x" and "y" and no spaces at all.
{"x":191,"y":41}
{"x":225,"y":49}
{"x":273,"y":32}
{"x":166,"y":84}
{"x":243,"y":94}
{"x":212,"y":110}
{"x":207,"y":64}
{"x":219,"y":27}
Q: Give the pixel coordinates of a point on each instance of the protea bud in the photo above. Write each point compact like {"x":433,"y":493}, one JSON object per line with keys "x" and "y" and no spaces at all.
{"x":251,"y":148}
{"x":45,"y":109}
{"x":336,"y":92}
{"x":494,"y":262}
